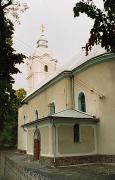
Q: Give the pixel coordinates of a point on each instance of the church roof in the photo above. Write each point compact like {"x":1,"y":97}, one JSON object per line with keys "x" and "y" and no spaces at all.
{"x":88,"y":61}
{"x":81,"y":57}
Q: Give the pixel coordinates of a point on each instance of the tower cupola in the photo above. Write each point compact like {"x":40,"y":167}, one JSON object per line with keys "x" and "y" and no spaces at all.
{"x":42,"y":42}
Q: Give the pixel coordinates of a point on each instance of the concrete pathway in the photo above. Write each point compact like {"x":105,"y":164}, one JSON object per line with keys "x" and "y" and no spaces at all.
{"x":74,"y":173}
{"x":86,"y":172}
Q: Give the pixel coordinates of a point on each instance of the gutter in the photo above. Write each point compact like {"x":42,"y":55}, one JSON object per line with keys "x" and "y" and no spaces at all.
{"x":54,"y":139}
{"x":72,"y":92}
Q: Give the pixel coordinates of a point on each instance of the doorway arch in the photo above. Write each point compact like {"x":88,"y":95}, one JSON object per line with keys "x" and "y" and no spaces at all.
{"x":37,"y":144}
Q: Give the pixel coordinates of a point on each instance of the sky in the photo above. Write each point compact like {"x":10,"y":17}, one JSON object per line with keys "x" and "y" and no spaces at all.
{"x":66,"y":35}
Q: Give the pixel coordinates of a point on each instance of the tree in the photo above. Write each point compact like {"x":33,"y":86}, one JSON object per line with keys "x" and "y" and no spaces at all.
{"x":9,"y":130}
{"x":8,"y":61}
{"x":8,"y":57}
{"x":21,"y":94}
{"x":103,"y":31}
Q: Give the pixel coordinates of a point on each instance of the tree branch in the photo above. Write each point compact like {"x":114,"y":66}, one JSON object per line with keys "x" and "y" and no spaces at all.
{"x":0,"y":3}
{"x":6,"y":5}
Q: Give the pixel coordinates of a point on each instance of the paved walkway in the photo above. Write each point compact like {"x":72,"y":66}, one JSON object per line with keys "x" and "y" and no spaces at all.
{"x":74,"y":173}
{"x":87,"y":172}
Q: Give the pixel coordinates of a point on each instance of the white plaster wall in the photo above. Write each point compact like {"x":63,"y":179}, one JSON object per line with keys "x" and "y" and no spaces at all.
{"x":100,"y":78}
{"x":22,"y":135}
{"x":46,"y":144}
{"x":95,"y":81}
{"x":65,"y":140}
{"x":30,"y":141}
{"x":57,"y":93}
{"x":36,"y":74}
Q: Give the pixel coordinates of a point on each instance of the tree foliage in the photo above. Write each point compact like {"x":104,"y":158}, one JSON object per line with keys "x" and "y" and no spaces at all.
{"x":8,"y":61}
{"x":8,"y":130}
{"x":8,"y":57}
{"x":20,"y":93}
{"x":103,"y":31}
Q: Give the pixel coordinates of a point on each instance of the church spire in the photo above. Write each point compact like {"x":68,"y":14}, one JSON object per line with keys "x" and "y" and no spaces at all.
{"x":42,"y":42}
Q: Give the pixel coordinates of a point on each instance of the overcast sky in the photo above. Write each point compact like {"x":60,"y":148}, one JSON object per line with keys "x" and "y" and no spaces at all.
{"x":65,"y":34}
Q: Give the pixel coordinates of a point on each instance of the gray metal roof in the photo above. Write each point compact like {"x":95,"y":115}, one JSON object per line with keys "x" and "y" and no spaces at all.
{"x":67,"y":116}
{"x":73,"y":114}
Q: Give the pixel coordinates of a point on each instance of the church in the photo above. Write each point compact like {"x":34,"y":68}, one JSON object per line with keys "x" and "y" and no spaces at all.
{"x":68,"y":116}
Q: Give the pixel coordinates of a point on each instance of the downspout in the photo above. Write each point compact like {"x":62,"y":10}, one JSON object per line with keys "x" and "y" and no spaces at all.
{"x":26,"y":131}
{"x":72,"y":91}
{"x":54,"y":139}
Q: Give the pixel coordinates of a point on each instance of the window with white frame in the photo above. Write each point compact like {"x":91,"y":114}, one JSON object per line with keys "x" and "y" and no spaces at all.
{"x":81,"y":102}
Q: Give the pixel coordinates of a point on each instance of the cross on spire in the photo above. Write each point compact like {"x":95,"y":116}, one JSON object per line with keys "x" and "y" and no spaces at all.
{"x":42,"y":28}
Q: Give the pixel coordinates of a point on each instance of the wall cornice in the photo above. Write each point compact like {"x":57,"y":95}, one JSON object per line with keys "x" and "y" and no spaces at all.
{"x":93,"y":61}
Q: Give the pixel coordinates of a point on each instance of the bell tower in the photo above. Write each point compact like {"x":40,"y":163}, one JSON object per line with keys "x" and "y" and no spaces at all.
{"x":41,"y":65}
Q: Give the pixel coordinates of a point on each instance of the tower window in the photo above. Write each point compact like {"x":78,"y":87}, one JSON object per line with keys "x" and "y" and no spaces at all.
{"x":76,"y":133}
{"x":46,"y":68}
{"x":81,"y":102}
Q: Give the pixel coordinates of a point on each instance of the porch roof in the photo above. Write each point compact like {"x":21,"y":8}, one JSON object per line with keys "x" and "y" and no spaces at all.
{"x":66,"y":115}
{"x":71,"y":113}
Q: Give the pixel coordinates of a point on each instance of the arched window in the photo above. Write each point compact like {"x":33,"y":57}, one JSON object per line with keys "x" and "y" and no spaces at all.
{"x":81,"y":102}
{"x":51,"y":108}
{"x":36,"y":115}
{"x":76,"y":133}
{"x":46,"y":68}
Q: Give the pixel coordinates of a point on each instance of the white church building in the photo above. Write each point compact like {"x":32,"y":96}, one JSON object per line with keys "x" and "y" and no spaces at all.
{"x":68,"y":116}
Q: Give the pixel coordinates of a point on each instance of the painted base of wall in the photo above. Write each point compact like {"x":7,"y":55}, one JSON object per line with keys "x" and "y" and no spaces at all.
{"x":76,"y":160}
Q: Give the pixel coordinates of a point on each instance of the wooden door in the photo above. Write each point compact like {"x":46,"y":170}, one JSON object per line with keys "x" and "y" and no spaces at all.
{"x":36,"y":149}
{"x":37,"y":144}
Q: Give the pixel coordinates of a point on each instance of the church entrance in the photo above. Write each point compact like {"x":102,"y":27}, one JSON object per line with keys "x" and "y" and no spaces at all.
{"x":37,"y":144}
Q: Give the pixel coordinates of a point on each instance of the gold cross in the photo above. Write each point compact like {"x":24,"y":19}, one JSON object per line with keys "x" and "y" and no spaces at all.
{"x":42,"y":28}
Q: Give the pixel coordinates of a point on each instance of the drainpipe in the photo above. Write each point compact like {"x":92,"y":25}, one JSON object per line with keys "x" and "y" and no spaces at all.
{"x":54,"y":139}
{"x":72,"y":91}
